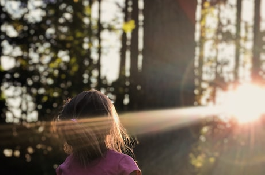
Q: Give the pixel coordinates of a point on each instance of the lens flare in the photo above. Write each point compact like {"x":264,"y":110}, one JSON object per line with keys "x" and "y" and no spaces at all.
{"x":246,"y":103}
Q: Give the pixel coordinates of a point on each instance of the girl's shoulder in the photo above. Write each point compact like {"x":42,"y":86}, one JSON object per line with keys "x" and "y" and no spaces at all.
{"x":125,"y":163}
{"x":111,"y":163}
{"x":118,"y":156}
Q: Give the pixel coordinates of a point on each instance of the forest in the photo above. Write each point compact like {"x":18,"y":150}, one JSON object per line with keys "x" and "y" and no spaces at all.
{"x":164,"y":64}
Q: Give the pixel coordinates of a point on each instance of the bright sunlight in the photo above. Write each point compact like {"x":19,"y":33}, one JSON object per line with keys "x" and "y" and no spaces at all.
{"x":246,"y":103}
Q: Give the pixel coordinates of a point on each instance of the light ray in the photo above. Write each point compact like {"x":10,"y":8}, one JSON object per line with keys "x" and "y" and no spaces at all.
{"x":141,"y":122}
{"x":145,"y":122}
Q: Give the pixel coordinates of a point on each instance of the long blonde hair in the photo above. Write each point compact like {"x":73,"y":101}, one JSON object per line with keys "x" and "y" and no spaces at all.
{"x":90,"y":124}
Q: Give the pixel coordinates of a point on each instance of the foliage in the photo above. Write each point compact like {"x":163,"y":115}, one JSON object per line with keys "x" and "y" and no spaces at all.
{"x":128,"y":26}
{"x":54,"y":61}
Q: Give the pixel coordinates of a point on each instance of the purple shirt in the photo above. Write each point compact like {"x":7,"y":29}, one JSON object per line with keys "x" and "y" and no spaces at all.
{"x":113,"y":163}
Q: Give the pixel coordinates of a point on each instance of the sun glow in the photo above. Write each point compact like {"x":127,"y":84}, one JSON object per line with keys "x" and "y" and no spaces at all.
{"x":246,"y":103}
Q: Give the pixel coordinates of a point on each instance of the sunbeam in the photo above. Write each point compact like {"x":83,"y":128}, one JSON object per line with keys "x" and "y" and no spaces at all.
{"x":159,"y":120}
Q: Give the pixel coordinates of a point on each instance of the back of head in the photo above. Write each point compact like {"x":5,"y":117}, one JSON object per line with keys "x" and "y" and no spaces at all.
{"x":87,"y":104}
{"x":89,"y":123}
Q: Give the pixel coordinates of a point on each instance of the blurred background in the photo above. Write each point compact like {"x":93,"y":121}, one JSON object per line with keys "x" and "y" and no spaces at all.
{"x":168,"y":65}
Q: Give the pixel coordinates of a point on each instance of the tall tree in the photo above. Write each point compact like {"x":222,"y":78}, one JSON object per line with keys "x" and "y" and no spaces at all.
{"x":134,"y":73}
{"x":167,"y":74}
{"x":119,"y":84}
{"x":256,"y":43}
{"x":99,"y":84}
{"x":168,"y":53}
{"x":238,"y":38}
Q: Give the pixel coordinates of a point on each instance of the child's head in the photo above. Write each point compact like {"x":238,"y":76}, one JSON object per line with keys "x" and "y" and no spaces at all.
{"x":89,"y":124}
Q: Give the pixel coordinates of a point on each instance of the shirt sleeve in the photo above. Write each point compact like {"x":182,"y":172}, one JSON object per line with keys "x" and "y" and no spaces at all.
{"x":127,"y":165}
{"x":58,"y":171}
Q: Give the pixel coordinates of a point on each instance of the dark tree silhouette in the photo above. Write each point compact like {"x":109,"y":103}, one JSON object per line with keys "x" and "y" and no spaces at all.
{"x":134,"y":93}
{"x":257,"y":43}
{"x":119,"y":84}
{"x":168,"y":53}
{"x":167,"y":81}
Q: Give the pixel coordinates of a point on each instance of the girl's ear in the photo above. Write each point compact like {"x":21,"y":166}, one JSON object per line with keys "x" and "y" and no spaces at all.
{"x":68,"y":149}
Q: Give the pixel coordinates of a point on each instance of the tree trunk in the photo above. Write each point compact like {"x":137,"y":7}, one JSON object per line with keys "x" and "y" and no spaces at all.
{"x":120,"y":83}
{"x":256,"y":44}
{"x":168,"y":57}
{"x":238,"y":38}
{"x":99,"y":85}
{"x":167,"y":74}
{"x":134,"y":59}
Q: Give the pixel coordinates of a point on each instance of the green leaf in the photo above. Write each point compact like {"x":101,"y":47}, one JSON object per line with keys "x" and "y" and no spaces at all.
{"x":87,"y":10}
{"x":128,"y":26}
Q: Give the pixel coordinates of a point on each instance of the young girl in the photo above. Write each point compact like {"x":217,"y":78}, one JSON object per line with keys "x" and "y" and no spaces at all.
{"x":93,"y":137}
